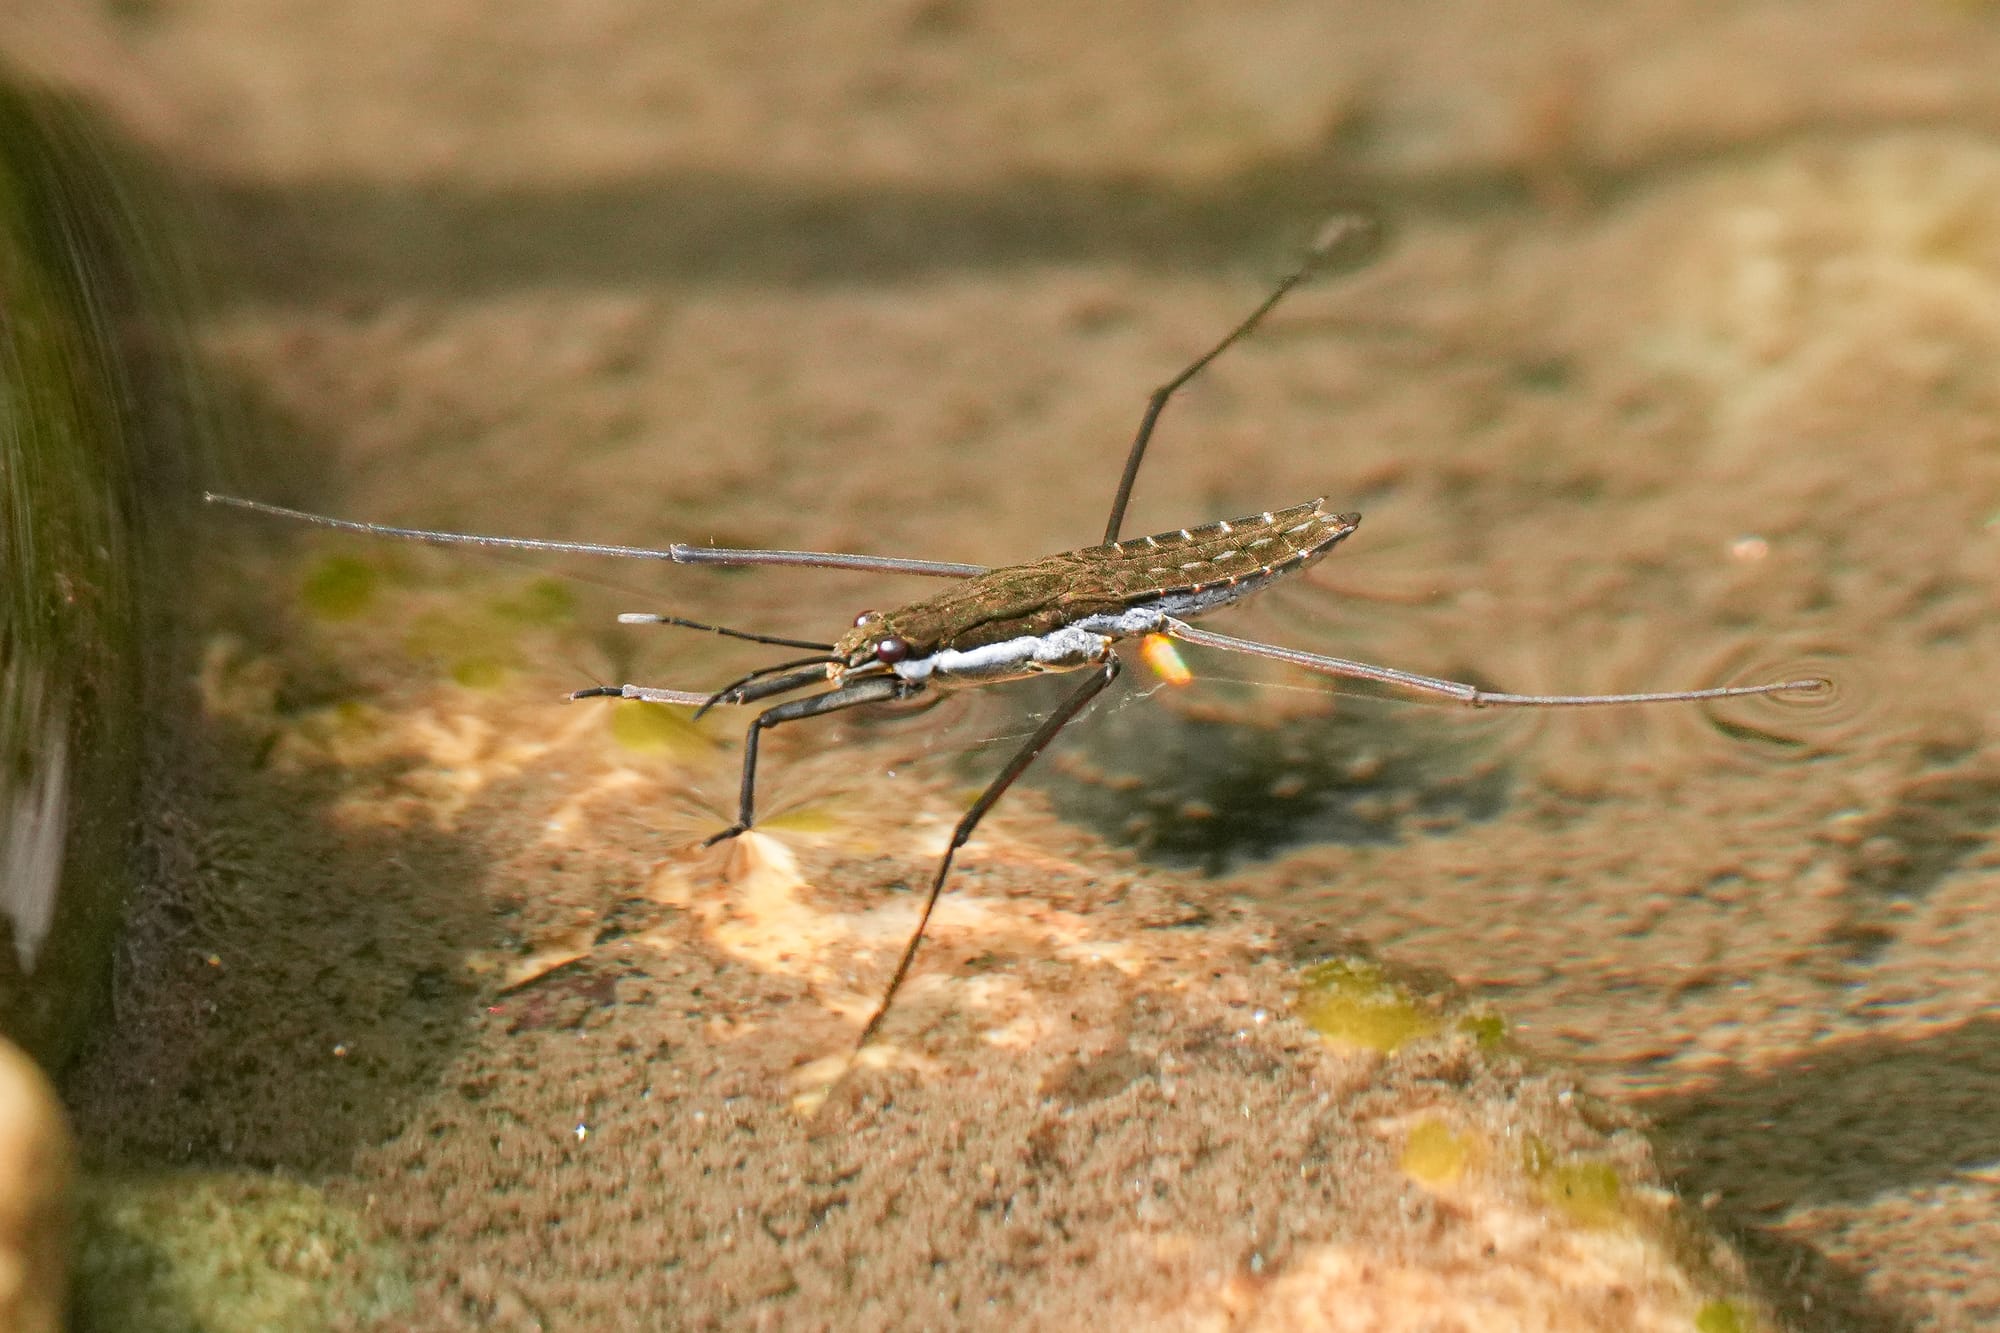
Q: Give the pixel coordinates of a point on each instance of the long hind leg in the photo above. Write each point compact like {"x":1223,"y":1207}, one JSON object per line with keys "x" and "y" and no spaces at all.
{"x":1472,"y":695}
{"x":1347,"y":240}
{"x":995,"y":789}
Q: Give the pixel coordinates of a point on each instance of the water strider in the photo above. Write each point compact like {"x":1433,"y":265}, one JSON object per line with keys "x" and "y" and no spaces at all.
{"x":1063,"y":612}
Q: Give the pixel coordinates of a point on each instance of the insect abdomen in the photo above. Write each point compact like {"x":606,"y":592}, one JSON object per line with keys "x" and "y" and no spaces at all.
{"x":1058,"y":590}
{"x":1254,"y":549}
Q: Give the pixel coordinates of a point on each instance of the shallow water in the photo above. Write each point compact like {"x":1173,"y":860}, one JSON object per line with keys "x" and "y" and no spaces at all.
{"x":1657,"y":388}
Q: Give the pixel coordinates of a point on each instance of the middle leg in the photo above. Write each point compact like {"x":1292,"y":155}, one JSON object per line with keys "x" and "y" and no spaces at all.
{"x":879,"y":689}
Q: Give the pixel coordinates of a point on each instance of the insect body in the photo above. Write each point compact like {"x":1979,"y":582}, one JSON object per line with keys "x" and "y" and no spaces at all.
{"x":1063,"y":612}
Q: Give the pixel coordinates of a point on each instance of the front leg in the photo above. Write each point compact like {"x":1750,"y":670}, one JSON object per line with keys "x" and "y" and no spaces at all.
{"x":875,"y":690}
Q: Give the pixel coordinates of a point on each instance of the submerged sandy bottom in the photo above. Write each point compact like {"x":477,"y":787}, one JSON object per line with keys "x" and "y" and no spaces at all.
{"x":1619,"y":414}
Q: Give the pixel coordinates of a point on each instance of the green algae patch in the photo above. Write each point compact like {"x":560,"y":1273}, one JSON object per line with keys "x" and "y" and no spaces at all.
{"x":1353,"y":1002}
{"x":348,"y":722}
{"x":1723,"y":1317}
{"x":540,"y":604}
{"x":655,"y":729}
{"x":1588,"y":1193}
{"x":217,"y":1253}
{"x":449,"y":638}
{"x":1487,"y":1031}
{"x":807,"y":819}
{"x":479,"y":645}
{"x":1435,"y":1153}
{"x":479,"y":672}
{"x":339,"y":587}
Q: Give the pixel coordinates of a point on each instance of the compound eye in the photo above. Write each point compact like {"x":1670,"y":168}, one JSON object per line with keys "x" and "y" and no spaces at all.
{"x":892,"y":650}
{"x":865,"y":617}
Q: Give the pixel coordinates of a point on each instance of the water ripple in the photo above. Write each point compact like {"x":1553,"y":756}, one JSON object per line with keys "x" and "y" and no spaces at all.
{"x":1793,"y":725}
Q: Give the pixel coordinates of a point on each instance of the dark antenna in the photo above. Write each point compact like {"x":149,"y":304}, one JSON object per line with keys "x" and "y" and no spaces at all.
{"x":682,"y":622}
